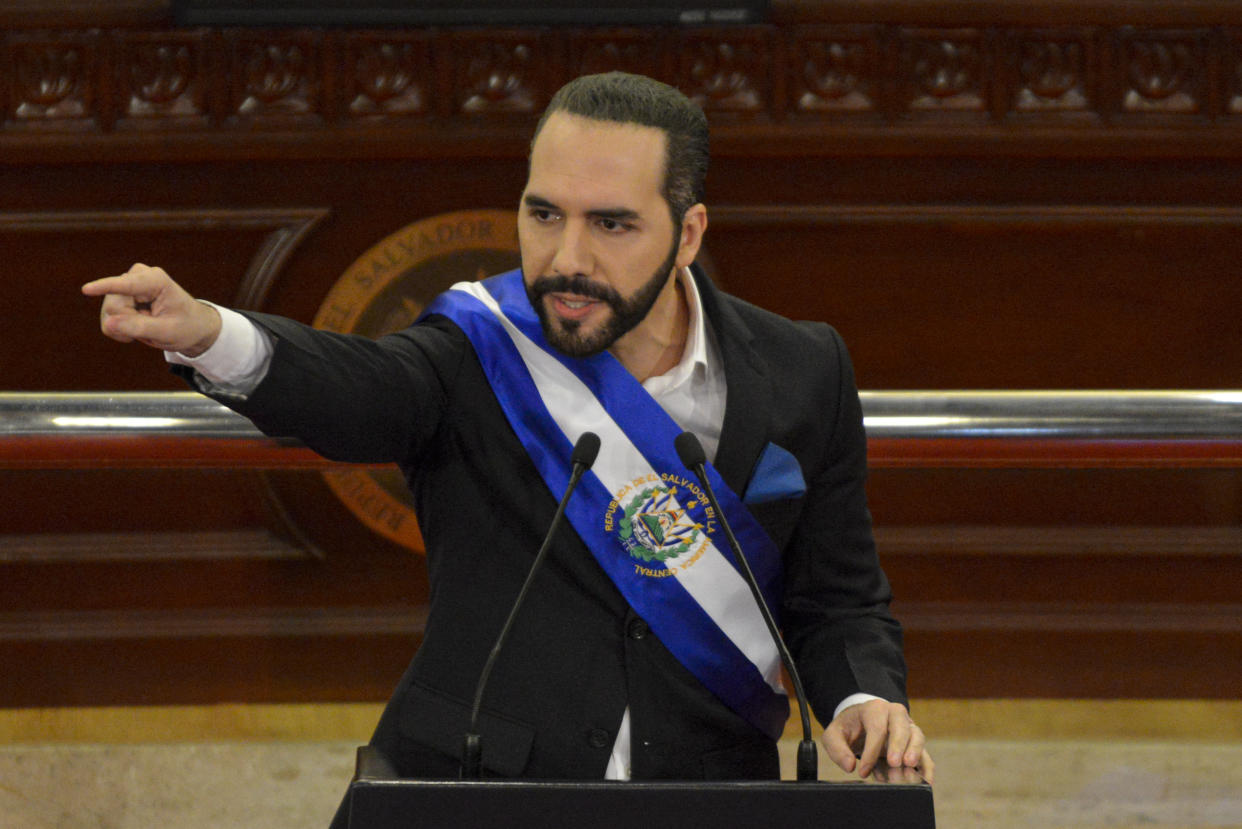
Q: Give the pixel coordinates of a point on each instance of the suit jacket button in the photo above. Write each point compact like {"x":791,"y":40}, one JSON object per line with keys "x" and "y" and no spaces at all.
{"x":637,"y":629}
{"x":598,"y":738}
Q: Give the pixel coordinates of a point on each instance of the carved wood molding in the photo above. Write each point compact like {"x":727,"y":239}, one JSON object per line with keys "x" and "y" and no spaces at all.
{"x":353,"y":621}
{"x":805,"y":87}
{"x":46,"y":548}
{"x":1069,"y":617}
{"x":287,"y":228}
{"x":1022,"y":216}
{"x":976,"y":539}
{"x":256,"y":622}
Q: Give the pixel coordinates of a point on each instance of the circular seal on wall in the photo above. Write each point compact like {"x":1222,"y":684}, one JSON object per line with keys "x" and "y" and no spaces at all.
{"x":384,"y":291}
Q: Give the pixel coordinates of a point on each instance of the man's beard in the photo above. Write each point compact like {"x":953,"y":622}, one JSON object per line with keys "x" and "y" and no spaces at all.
{"x":567,"y":337}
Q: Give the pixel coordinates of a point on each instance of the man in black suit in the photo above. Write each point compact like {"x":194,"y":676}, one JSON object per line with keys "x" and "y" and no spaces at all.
{"x":631,"y":658}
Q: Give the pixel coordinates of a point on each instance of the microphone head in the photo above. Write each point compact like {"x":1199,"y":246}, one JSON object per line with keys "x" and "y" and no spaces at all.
{"x":585,"y":450}
{"x":690,"y":450}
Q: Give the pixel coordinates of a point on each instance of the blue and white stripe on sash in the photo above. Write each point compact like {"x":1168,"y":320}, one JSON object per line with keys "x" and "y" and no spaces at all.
{"x":702,"y":610}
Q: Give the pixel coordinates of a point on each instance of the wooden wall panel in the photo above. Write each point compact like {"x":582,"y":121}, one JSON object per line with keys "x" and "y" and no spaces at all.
{"x":1002,"y":296}
{"x":230,"y":254}
{"x":978,"y":194}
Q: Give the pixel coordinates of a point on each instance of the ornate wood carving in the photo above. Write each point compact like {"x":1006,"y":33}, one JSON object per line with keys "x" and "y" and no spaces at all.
{"x":835,"y":72}
{"x":944,"y":71}
{"x":54,"y":81}
{"x":728,"y":75}
{"x":161,"y":80}
{"x":275,"y":76}
{"x":389,"y":77}
{"x":500,"y":74}
{"x":1233,"y":73}
{"x":1053,"y":73}
{"x":1090,"y":81}
{"x":627,"y":50}
{"x":1164,"y":72}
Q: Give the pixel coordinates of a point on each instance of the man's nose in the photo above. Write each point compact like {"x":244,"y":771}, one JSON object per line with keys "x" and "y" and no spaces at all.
{"x":573,"y":250}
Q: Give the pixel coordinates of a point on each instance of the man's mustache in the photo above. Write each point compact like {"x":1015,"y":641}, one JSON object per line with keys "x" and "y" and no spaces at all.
{"x":580,"y":285}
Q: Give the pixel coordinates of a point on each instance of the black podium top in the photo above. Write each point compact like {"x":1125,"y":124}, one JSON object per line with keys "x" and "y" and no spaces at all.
{"x":378,"y":801}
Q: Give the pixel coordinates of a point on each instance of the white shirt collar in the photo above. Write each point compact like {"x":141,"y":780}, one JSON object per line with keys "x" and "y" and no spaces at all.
{"x":695,"y":353}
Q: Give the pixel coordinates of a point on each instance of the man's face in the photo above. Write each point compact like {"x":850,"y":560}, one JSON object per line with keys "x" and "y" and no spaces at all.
{"x":598,"y":244}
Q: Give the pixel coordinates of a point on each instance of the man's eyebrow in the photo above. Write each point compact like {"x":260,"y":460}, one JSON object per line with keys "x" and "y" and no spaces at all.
{"x":620,"y":214}
{"x":538,"y":201}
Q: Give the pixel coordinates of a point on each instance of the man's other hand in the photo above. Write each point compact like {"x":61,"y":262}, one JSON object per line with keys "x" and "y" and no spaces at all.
{"x":146,"y":306}
{"x":863,"y":734}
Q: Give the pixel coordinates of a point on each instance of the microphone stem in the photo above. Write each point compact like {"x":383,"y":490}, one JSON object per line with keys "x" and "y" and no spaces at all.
{"x":806,"y":751}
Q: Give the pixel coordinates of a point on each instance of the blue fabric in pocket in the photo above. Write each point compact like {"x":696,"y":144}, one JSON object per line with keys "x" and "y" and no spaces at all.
{"x":777,"y":475}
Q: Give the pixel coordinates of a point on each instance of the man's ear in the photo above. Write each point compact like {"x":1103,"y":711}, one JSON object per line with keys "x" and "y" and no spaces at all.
{"x":693,"y":226}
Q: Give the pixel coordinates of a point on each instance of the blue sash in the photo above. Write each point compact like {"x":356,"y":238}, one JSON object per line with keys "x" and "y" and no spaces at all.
{"x":639,"y":511}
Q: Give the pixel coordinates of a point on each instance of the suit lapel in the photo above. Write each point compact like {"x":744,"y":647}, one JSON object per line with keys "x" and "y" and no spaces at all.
{"x":748,"y":404}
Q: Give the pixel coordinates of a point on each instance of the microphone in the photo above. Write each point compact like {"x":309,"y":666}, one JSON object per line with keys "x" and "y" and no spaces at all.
{"x":582,"y":458}
{"x":691,"y":453}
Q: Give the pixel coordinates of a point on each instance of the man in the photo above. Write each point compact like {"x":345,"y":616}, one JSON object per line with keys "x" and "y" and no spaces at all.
{"x":634,"y":656}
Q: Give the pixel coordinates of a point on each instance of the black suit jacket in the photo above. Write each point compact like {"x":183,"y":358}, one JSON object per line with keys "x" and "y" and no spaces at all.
{"x":578,"y":654}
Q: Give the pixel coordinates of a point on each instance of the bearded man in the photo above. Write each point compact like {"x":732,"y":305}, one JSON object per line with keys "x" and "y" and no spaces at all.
{"x":626,"y":662}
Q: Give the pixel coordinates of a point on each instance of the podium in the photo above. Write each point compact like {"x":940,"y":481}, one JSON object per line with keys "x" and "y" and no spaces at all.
{"x":377,"y":799}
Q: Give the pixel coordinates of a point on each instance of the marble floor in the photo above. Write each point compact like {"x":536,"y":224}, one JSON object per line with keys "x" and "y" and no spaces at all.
{"x":272,"y":775}
{"x":256,"y":785}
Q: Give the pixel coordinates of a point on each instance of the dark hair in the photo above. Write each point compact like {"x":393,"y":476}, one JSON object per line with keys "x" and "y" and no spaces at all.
{"x":636,"y":99}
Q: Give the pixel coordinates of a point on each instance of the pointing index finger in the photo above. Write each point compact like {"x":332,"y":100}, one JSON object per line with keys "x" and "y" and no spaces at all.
{"x":112,"y":285}
{"x":139,"y":281}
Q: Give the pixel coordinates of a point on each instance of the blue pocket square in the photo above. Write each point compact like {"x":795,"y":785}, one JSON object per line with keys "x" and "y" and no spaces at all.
{"x":777,"y":475}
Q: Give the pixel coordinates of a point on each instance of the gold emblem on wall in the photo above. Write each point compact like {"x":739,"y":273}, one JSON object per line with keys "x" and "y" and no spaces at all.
{"x":384,"y":291}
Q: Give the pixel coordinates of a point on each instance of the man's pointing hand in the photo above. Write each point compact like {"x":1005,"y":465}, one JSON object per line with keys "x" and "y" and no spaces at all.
{"x":147,"y":306}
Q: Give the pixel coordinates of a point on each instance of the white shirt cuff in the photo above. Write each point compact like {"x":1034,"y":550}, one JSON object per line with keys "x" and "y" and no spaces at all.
{"x":237,"y":361}
{"x":854,"y":699}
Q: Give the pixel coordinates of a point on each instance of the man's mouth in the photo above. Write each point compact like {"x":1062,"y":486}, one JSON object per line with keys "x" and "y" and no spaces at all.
{"x":573,"y":306}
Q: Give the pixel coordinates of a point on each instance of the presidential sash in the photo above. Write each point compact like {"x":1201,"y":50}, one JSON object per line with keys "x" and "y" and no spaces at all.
{"x":639,"y":511}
